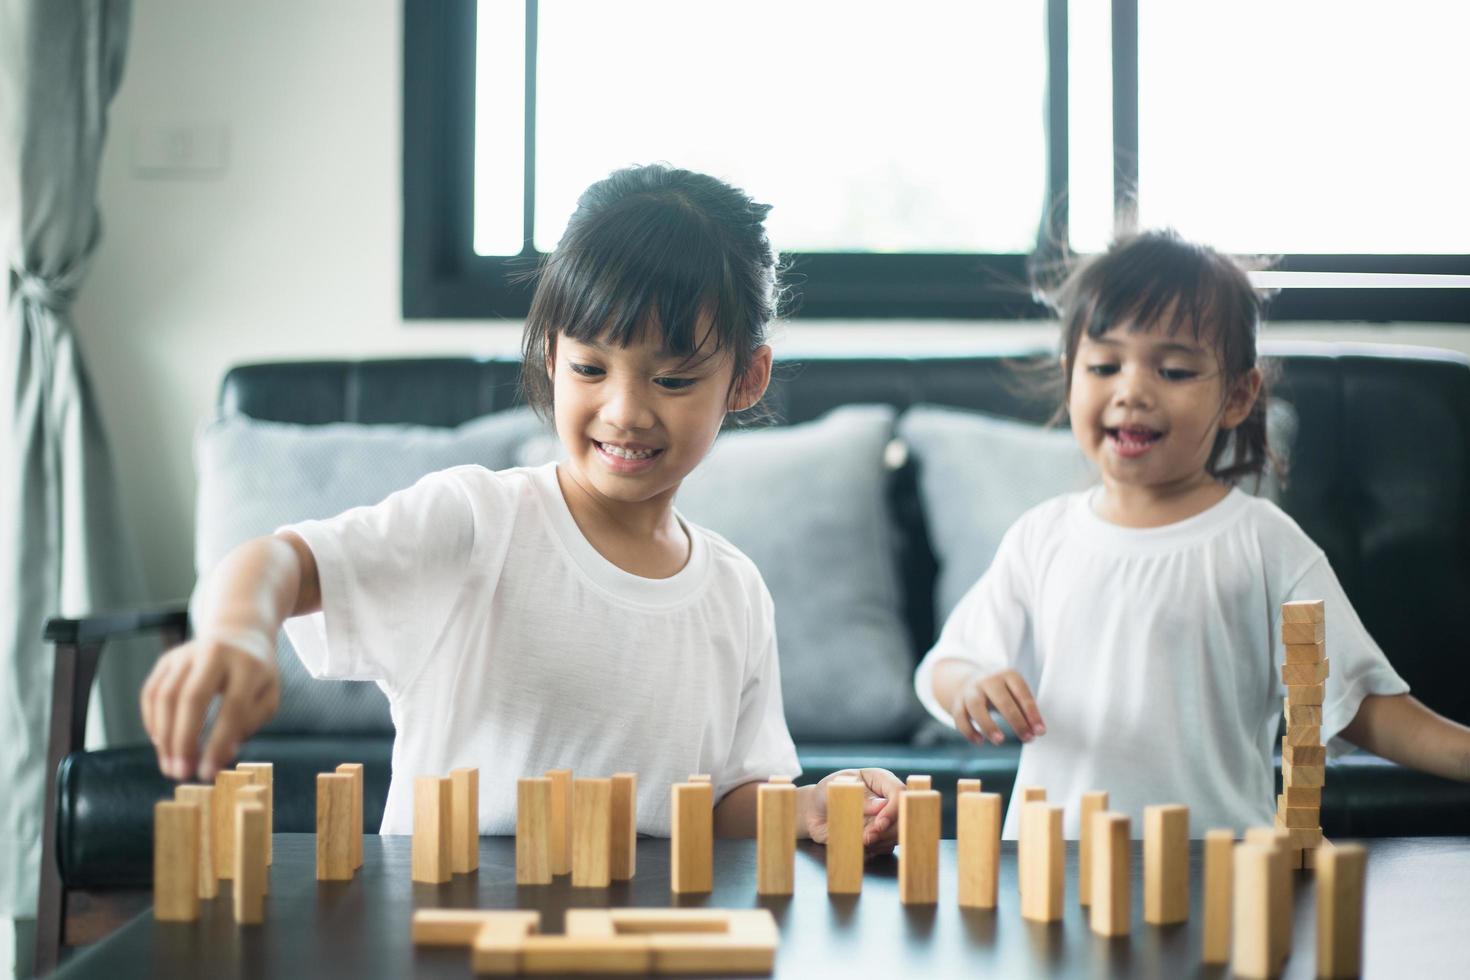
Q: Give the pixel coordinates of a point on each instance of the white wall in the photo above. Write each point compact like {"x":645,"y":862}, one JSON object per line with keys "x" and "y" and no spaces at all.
{"x":293,"y":252}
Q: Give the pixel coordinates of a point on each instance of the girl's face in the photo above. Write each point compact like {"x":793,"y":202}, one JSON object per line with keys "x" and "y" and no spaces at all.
{"x":1146,"y":407}
{"x":636,"y":420}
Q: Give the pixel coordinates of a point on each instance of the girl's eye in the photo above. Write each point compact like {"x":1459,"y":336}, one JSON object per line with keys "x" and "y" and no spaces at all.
{"x":1177,"y":374}
{"x":586,"y":370}
{"x":674,"y":384}
{"x":1102,"y":370}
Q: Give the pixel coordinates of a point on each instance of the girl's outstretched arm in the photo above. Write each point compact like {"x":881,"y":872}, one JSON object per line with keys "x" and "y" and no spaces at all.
{"x":1401,"y":729}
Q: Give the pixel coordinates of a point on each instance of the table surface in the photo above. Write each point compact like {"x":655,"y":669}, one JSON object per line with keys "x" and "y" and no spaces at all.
{"x":1417,"y":908}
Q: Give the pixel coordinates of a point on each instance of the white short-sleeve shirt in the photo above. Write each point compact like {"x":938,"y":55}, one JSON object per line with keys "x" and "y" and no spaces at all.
{"x":504,"y":640}
{"x":1154,"y":654}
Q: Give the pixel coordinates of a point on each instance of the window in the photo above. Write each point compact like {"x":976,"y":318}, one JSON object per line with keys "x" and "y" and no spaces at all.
{"x":916,"y":154}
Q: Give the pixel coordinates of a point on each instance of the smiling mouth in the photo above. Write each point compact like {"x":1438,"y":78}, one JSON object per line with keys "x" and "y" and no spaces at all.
{"x":1132,"y":440}
{"x":630,"y":454}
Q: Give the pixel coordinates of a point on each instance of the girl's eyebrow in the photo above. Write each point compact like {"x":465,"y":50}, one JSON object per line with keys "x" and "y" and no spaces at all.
{"x":1166,"y":345}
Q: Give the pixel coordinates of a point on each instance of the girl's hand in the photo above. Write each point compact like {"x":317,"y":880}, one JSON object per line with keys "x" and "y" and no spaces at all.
{"x":177,"y":694}
{"x":1005,"y":692}
{"x":880,"y":810}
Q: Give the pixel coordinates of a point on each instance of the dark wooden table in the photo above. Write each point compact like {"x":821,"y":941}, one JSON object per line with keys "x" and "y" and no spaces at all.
{"x":1417,"y":917}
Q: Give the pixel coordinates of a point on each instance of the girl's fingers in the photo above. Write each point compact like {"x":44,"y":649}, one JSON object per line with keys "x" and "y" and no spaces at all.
{"x":197,"y":692}
{"x":1016,"y":684}
{"x":978,"y":708}
{"x":1000,"y":696}
{"x":965,"y":725}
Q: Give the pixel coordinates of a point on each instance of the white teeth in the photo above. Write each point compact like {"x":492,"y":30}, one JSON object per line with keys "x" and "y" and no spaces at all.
{"x":622,"y":453}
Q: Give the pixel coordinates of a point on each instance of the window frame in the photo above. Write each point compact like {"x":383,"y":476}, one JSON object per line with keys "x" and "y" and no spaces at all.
{"x":443,"y":277}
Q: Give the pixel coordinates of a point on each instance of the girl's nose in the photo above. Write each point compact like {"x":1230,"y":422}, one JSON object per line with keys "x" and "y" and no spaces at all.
{"x":1132,"y":387}
{"x":626,"y":409}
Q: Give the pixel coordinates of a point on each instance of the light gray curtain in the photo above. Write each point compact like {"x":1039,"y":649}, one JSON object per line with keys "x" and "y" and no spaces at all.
{"x":62,"y":542}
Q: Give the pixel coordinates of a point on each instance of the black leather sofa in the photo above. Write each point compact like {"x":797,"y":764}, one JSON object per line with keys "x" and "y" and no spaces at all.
{"x":1380,"y":478}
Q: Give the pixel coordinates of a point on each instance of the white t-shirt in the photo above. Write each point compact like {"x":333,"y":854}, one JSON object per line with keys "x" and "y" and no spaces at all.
{"x":505,"y":641}
{"x":1154,"y":655}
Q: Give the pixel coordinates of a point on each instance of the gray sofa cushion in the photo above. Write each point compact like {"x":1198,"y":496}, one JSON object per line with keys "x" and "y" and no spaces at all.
{"x":255,"y":476}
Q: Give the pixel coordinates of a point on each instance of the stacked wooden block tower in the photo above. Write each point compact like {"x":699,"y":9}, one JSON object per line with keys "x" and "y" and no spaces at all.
{"x":1303,"y":757}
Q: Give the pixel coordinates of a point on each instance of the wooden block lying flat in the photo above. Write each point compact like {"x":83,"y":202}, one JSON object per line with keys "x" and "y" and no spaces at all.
{"x":464,"y":820}
{"x":918,"y":782}
{"x":967,"y":786}
{"x":1302,"y":795}
{"x":918,"y":847}
{"x":334,"y":811}
{"x":1309,"y":776}
{"x":624,"y":955}
{"x":1296,"y":816}
{"x":459,"y":927}
{"x":1092,"y":803}
{"x":1303,"y":714}
{"x":264,"y":774}
{"x":432,"y":829}
{"x":1041,"y":900}
{"x":845,"y":836}
{"x":623,"y":859}
{"x":227,"y":783}
{"x":1165,"y":864}
{"x":1308,"y":694}
{"x":497,"y":947}
{"x":533,"y":831}
{"x":203,"y":798}
{"x":775,"y":839}
{"x":1112,"y":896}
{"x":1303,"y":632}
{"x":561,"y":820}
{"x":176,"y":861}
{"x":250,"y":875}
{"x":696,"y":941}
{"x":1304,"y":653}
{"x":1302,"y":838}
{"x":1306,"y":735}
{"x":1219,"y":867}
{"x":1304,"y":611}
{"x":691,"y":848}
{"x":1294,"y":675}
{"x":1303,"y":755}
{"x":1254,"y":909}
{"x":977,"y":849}
{"x":355,"y":770}
{"x":592,"y":833}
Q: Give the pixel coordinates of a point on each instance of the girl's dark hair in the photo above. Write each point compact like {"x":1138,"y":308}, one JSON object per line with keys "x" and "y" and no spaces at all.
{"x":1149,"y":277}
{"x":653,"y":247}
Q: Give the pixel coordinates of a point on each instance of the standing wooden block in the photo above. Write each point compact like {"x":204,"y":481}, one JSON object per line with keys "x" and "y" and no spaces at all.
{"x":1304,"y":611}
{"x":355,"y":770}
{"x":1252,"y":953}
{"x":533,"y":831}
{"x":1340,"y":872}
{"x":624,"y":856}
{"x":977,"y":850}
{"x":691,"y":864}
{"x":1033,"y":794}
{"x":592,"y":833}
{"x":1219,"y":865}
{"x":203,"y":798}
{"x":1092,"y":803}
{"x":464,"y":790}
{"x":1041,"y":899}
{"x":1027,"y":794}
{"x":917,"y":781}
{"x":775,"y":839}
{"x":176,"y":861}
{"x":1278,"y":842}
{"x":334,"y":833}
{"x":432,"y":827}
{"x":255,"y":794}
{"x":250,"y":874}
{"x":1112,"y":890}
{"x":918,"y":847}
{"x":845,"y":800}
{"x":561,"y":820}
{"x":264,"y":774}
{"x":967,"y":786}
{"x":1165,"y":864}
{"x":227,"y":783}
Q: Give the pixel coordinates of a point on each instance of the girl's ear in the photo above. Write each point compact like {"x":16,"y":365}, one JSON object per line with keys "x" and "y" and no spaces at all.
{"x":1242,"y":398}
{"x":750,"y":386}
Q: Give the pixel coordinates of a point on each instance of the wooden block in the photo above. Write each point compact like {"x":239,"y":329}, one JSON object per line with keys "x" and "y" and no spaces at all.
{"x":781,"y":779}
{"x":1302,"y":795}
{"x":917,"y":782}
{"x":1278,"y":842}
{"x":497,"y":946}
{"x":355,"y":770}
{"x":1028,"y":794}
{"x":1295,"y":675}
{"x":1303,"y":611}
{"x":967,"y":786}
{"x":845,"y":801}
{"x":459,"y":927}
{"x":533,"y":831}
{"x":1303,"y":714}
{"x":918,"y":847}
{"x":1285,"y":813}
{"x":334,"y":812}
{"x":1092,"y":803}
{"x":464,"y":820}
{"x":740,"y":941}
{"x":176,"y":861}
{"x":256,"y":794}
{"x":1041,"y":899}
{"x":264,"y":774}
{"x":1032,"y":794}
{"x":1304,"y":653}
{"x":691,"y":848}
{"x":1303,"y":632}
{"x":1306,"y":694}
{"x":699,"y":777}
{"x":1219,"y":867}
{"x":623,"y":955}
{"x":561,"y":820}
{"x":623,"y":858}
{"x":432,"y":829}
{"x":1112,"y":897}
{"x":250,"y":874}
{"x":977,"y":850}
{"x":1303,"y":755}
{"x":775,"y":839}
{"x":1165,"y":864}
{"x":1306,"y":735}
{"x":227,"y":783}
{"x":592,"y":833}
{"x":1303,"y":837}
{"x":1254,"y":909}
{"x":1309,"y":776}
{"x":203,"y":798}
